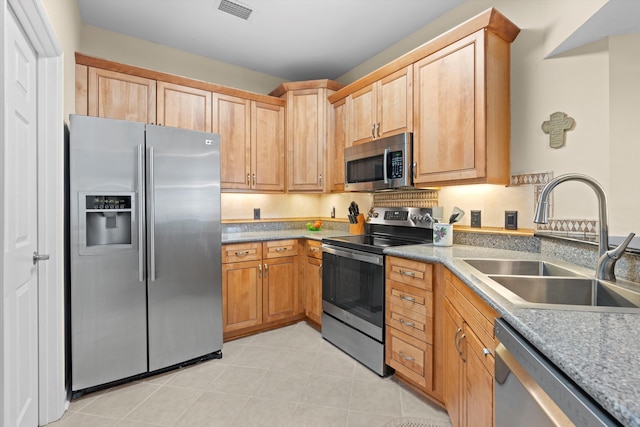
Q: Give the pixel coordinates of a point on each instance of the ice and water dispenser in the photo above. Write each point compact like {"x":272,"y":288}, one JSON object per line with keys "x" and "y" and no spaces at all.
{"x":107,"y":222}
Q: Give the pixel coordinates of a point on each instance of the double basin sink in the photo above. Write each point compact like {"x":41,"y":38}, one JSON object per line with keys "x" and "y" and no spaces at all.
{"x":540,"y":284}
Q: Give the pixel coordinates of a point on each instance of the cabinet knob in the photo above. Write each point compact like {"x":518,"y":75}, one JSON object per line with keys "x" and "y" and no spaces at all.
{"x":248,"y":179}
{"x":266,"y":270}
{"x":254,"y":179}
{"x":378,"y":129}
{"x":259,"y":271}
{"x":373,"y":131}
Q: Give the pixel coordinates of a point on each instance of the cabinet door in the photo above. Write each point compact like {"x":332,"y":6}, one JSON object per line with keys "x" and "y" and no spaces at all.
{"x":362,"y":115}
{"x":121,"y":96}
{"x":452,"y":364}
{"x":337,"y":144}
{"x":395,"y":103}
{"x":280,"y":286}
{"x":306,"y":135}
{"x":184,"y":107}
{"x":313,"y":289}
{"x":478,"y":384}
{"x":449,"y":103}
{"x":241,"y":295}
{"x":267,"y":147}
{"x":232,"y":120}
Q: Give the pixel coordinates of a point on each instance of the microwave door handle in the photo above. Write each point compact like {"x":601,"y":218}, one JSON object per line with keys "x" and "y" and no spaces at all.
{"x":384,"y":165}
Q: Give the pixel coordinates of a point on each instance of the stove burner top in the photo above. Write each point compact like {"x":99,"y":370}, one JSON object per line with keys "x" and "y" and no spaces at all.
{"x":371,"y":240}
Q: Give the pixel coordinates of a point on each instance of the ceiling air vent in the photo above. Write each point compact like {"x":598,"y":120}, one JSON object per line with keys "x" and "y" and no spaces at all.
{"x":235,"y":9}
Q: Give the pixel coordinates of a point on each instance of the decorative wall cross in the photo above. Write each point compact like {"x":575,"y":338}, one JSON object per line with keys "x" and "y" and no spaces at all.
{"x":557,"y":127}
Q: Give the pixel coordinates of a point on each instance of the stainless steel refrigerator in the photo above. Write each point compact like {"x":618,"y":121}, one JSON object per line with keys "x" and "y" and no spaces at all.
{"x":145,"y":282}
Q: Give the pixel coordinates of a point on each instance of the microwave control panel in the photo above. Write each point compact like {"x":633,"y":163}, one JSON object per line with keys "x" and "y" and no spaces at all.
{"x":396,"y":165}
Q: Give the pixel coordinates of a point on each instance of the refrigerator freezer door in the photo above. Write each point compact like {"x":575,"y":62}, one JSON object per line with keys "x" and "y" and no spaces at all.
{"x":108,"y":296}
{"x":184,"y":247}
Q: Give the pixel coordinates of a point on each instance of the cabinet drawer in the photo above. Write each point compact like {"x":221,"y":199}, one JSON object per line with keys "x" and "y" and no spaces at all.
{"x":238,"y":252}
{"x":417,"y":325}
{"x":314,"y":249}
{"x":410,"y":357}
{"x":279,"y":248}
{"x":410,"y":298}
{"x":412,"y":273}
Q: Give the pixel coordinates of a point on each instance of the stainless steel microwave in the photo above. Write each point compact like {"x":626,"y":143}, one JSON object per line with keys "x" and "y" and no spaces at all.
{"x":381,"y":164}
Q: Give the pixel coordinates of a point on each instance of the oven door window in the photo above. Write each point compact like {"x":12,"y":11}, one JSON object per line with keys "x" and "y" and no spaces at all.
{"x":369,"y":169}
{"x":354,"y":286}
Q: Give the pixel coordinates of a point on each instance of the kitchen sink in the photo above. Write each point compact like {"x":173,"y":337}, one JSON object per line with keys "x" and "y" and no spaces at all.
{"x":514,"y":267}
{"x":582,"y":291}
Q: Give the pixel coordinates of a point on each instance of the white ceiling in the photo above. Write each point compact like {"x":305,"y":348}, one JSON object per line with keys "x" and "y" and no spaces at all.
{"x":292,"y":39}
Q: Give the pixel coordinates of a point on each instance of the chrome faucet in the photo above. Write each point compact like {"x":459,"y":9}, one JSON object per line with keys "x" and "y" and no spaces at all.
{"x":607,"y":258}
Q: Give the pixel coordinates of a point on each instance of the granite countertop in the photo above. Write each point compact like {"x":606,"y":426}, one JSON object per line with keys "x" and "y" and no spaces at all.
{"x":255,"y":236}
{"x":597,"y":350}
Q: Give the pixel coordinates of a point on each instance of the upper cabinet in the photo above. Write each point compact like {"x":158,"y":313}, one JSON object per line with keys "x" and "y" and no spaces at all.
{"x":453,"y":93}
{"x":337,"y":144}
{"x":461,"y":113}
{"x":307,"y":133}
{"x":382,"y":108}
{"x":184,"y":107}
{"x":115,"y":95}
{"x":252,"y":151}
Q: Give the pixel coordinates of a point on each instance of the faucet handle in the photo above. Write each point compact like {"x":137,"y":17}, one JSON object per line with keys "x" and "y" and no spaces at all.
{"x":607,"y":261}
{"x":617,"y":252}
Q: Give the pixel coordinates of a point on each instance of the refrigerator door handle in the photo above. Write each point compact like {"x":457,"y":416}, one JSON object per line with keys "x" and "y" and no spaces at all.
{"x":140,"y":213}
{"x":152,"y":219}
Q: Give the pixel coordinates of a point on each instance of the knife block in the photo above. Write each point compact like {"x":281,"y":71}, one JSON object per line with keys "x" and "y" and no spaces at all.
{"x":359,"y":227}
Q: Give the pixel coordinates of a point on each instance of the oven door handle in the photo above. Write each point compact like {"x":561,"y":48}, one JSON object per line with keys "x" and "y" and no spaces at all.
{"x":358,"y":256}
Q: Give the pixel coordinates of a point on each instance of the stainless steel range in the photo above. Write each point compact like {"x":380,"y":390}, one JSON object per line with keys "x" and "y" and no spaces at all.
{"x":353,"y":280}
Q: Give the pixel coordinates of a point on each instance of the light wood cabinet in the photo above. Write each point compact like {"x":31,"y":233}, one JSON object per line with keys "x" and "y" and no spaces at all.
{"x":461,"y":123}
{"x":337,"y":144}
{"x":252,"y":150}
{"x":115,"y":95}
{"x":382,"y":108}
{"x":409,"y":320}
{"x":313,"y":281}
{"x":259,"y":285}
{"x":307,"y":133}
{"x":184,"y":107}
{"x":468,"y":355}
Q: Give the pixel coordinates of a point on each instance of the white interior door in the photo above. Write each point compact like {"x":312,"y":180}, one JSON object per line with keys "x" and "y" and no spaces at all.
{"x":20,"y":302}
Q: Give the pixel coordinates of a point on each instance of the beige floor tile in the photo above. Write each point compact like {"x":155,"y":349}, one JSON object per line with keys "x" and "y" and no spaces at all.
{"x":324,"y":390}
{"x":363,"y":419}
{"x":379,"y":397}
{"x":231,"y":350}
{"x":295,"y":360}
{"x":256,"y":357}
{"x":165,"y":406}
{"x":118,"y":402}
{"x":238,"y":380}
{"x":319,"y":416}
{"x":282,"y":385}
{"x":199,"y":376}
{"x":416,"y":406}
{"x":212,"y":410}
{"x":129,"y":423}
{"x":335,"y":363}
{"x":160,"y":379}
{"x":77,"y":404}
{"x":84,"y":420}
{"x":363,"y":373}
{"x":265,"y":413}
{"x":276,"y":338}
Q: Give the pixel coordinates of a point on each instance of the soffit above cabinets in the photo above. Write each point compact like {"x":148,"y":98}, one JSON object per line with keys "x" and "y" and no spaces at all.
{"x":616,"y":17}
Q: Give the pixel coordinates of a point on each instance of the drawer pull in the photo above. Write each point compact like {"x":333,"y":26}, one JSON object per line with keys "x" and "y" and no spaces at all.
{"x":260,"y":271}
{"x":314,"y":250}
{"x":405,"y":323}
{"x":407,"y":358}
{"x":408,"y":273}
{"x":410,"y":299}
{"x":281,"y":249}
{"x":455,"y":341}
{"x":242,"y":253}
{"x":486,"y":351}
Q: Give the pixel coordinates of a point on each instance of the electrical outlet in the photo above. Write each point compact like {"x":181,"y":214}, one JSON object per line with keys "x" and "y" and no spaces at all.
{"x":511,"y":220}
{"x":476,"y":219}
{"x":256,"y":213}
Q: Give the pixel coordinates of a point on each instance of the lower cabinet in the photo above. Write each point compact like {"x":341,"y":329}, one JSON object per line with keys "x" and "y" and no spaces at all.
{"x":469,"y":346}
{"x":410,"y":321}
{"x":259,"y":285}
{"x":312,"y":281}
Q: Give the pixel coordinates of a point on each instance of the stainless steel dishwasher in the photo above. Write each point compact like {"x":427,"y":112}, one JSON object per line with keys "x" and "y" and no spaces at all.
{"x":531,"y":391}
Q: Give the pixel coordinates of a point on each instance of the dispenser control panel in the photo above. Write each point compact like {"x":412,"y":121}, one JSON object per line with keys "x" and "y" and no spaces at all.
{"x":108,"y":202}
